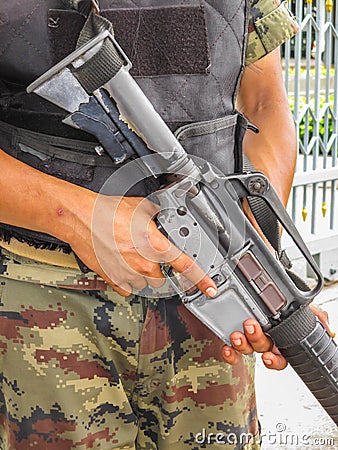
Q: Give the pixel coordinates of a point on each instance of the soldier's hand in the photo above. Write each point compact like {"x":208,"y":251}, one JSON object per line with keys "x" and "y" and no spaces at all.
{"x":255,"y":340}
{"x":122,"y":244}
{"x":323,"y":317}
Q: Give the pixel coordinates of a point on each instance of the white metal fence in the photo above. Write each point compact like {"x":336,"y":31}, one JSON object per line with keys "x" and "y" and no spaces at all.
{"x":312,"y":81}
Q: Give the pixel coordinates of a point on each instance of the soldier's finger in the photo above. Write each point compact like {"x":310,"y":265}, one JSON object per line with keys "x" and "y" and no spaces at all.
{"x":274,"y":360}
{"x":156,"y":282}
{"x":240,"y":343}
{"x":323,"y":317}
{"x":231,"y":356}
{"x":154,"y":276}
{"x":194,"y":273}
{"x":124,"y":289}
{"x":138,"y":283}
{"x":255,"y":336}
{"x":150,"y":207}
{"x":163,"y":250}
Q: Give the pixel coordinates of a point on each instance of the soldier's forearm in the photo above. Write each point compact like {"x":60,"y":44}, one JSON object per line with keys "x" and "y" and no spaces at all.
{"x":39,"y":202}
{"x":264,"y":102}
{"x":273,"y":150}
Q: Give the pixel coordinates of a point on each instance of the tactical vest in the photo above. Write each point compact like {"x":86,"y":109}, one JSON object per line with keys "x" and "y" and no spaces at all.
{"x":188,"y":57}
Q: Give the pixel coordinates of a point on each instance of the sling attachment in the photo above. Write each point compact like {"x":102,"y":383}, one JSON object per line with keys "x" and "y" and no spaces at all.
{"x":83,"y":6}
{"x":95,"y":6}
{"x":267,"y":221}
{"x":265,"y":218}
{"x":106,"y":62}
{"x":270,"y":227}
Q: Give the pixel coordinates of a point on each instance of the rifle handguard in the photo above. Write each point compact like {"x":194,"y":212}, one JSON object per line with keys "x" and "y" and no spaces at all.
{"x":313,"y":354}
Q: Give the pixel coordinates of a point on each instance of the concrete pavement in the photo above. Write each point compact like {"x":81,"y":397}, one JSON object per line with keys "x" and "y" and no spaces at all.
{"x":290,"y":416}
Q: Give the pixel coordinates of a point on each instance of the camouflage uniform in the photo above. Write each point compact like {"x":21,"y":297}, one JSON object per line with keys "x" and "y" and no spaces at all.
{"x":83,"y":368}
{"x":269,"y":27}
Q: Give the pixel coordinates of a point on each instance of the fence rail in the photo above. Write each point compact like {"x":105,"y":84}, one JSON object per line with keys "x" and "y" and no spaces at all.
{"x":312,"y":81}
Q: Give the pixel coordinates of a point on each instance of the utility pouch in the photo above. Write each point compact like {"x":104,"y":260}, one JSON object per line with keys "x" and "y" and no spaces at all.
{"x":217,"y":141}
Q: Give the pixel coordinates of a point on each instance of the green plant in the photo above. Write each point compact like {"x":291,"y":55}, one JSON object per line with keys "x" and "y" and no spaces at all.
{"x":306,"y":126}
{"x":312,"y":72}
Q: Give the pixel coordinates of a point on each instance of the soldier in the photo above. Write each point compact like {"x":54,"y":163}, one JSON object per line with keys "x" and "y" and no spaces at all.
{"x":85,"y":363}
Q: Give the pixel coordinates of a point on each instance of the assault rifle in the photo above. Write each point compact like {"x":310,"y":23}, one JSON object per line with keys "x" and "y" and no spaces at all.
{"x":201,"y":213}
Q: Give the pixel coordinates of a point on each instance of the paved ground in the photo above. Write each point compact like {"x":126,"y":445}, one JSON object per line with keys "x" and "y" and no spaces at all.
{"x":291,"y":417}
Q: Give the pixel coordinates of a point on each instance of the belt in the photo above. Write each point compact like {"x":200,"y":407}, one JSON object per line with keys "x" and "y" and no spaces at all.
{"x":55,"y":258}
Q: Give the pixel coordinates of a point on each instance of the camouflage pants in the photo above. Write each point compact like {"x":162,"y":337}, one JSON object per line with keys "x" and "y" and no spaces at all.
{"x":92,"y":370}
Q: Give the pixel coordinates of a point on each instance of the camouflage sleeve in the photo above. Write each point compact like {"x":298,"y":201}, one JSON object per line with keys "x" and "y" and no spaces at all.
{"x":271,"y":23}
